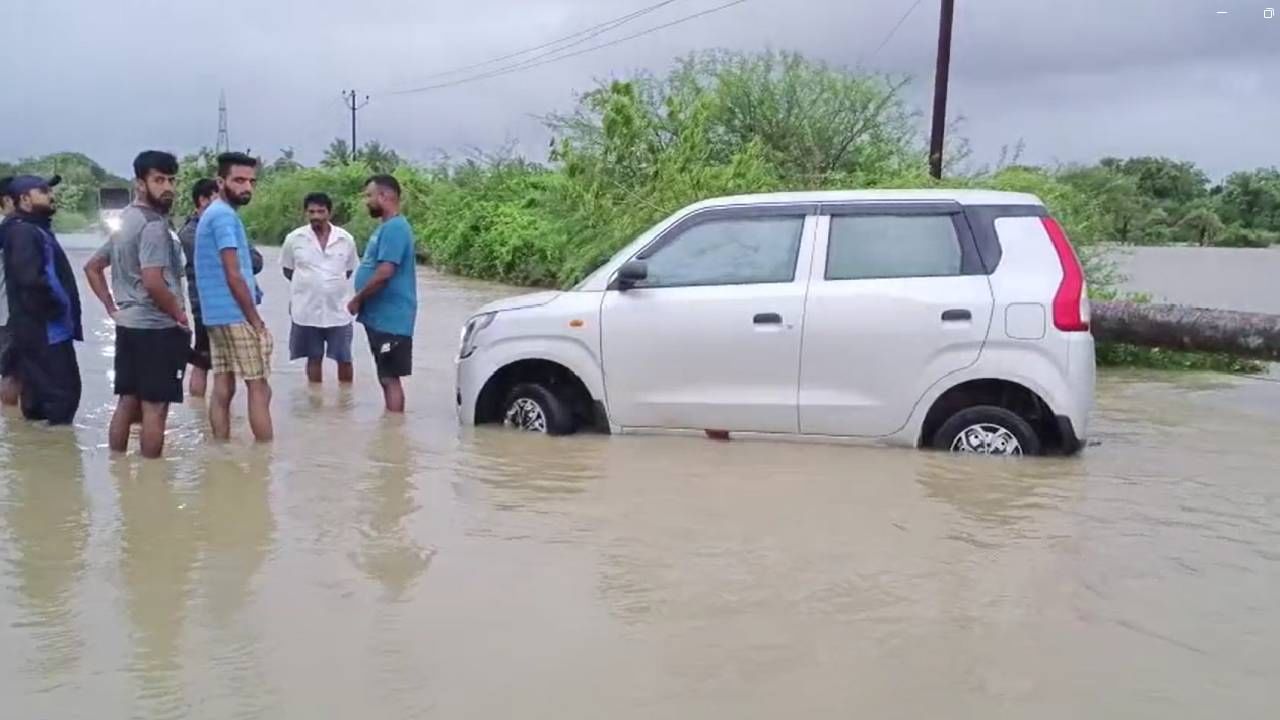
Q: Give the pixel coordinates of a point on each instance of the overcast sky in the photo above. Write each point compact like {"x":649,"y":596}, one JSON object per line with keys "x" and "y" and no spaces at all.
{"x":1104,"y":77}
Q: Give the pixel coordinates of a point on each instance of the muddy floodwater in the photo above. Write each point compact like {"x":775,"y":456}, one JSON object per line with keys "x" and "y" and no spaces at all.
{"x":362,"y":567}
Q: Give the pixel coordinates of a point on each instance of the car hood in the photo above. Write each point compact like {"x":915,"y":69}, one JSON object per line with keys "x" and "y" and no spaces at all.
{"x":520,"y":302}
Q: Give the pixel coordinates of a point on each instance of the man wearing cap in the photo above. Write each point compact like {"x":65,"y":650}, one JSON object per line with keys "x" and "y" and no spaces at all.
{"x":10,"y":388}
{"x":44,"y":305}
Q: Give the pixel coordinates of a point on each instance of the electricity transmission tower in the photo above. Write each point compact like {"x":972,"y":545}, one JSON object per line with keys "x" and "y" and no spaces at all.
{"x":224,"y":138}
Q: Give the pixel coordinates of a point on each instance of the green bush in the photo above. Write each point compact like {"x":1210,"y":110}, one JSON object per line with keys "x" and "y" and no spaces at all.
{"x":1242,"y":237}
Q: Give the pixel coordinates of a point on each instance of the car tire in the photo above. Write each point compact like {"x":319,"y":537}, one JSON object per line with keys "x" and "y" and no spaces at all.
{"x":534,"y":407}
{"x":987,"y":430}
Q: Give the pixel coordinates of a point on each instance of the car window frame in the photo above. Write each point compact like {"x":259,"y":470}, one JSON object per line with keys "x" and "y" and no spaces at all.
{"x":970,"y":259}
{"x":798,"y":211}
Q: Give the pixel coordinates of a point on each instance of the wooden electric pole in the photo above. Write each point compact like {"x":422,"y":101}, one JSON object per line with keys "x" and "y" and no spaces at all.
{"x":941,"y":78}
{"x":354,"y":105}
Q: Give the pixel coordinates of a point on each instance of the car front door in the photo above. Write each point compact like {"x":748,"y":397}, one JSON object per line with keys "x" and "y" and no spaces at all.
{"x":899,"y":299}
{"x":711,"y":339}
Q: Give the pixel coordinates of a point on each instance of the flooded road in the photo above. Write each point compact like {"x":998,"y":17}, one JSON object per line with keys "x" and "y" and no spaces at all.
{"x":367,"y":567}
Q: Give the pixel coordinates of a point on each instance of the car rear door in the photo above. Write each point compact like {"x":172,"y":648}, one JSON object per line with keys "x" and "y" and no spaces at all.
{"x":898,"y":299}
{"x":711,"y":340}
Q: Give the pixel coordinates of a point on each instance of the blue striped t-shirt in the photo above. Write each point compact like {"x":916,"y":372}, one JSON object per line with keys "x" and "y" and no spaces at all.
{"x":220,"y":229}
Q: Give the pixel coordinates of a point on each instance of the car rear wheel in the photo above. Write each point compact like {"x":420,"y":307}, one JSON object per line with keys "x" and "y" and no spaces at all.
{"x":534,"y":407}
{"x":987,"y":430}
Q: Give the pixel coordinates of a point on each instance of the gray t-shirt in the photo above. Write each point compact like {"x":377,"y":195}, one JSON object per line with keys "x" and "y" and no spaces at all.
{"x":145,"y":240}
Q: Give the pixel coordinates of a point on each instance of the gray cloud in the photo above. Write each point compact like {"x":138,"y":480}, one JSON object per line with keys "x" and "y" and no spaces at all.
{"x":1073,"y":80}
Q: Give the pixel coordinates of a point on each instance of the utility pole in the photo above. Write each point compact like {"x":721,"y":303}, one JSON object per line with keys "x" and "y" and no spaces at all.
{"x":354,"y":105}
{"x":941,"y":79}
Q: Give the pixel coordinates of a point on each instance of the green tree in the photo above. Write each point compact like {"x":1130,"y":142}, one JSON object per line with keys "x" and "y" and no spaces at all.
{"x":338,"y":153}
{"x":1251,"y":199}
{"x":1163,"y":179}
{"x":1201,"y":225}
{"x":378,"y":158}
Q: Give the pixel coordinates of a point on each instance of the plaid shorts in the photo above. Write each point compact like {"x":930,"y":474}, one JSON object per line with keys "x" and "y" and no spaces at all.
{"x":241,"y":350}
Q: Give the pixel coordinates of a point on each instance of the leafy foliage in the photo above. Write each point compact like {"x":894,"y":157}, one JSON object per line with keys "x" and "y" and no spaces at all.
{"x":78,"y":192}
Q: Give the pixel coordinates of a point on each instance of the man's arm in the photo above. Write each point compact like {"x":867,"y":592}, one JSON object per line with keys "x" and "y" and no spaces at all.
{"x":240,"y":287}
{"x":154,"y":248}
{"x":24,"y":270}
{"x":228,"y":244}
{"x":381,"y":276}
{"x":95,"y":272}
{"x":286,"y":259}
{"x":393,"y":247}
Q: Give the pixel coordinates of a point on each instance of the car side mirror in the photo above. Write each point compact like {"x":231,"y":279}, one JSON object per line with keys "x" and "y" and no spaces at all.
{"x":632,"y":273}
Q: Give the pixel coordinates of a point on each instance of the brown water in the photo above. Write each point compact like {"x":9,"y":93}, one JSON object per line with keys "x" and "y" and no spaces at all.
{"x":368,"y":568}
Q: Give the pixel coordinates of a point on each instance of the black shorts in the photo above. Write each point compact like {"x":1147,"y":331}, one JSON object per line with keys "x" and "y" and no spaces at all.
{"x":200,"y":357}
{"x":150,"y":364}
{"x":393,"y":354}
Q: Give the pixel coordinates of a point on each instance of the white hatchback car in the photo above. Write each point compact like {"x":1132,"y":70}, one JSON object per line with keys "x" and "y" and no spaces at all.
{"x":956,"y":320}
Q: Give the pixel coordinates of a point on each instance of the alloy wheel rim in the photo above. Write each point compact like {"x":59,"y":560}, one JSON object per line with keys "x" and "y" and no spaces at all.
{"x":986,"y":439}
{"x":527,"y":415}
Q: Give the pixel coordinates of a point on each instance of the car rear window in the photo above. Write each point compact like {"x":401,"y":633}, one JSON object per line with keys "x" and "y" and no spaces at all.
{"x":864,"y":247}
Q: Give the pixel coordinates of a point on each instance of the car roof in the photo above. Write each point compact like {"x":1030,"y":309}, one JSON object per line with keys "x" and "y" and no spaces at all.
{"x":962,"y":197}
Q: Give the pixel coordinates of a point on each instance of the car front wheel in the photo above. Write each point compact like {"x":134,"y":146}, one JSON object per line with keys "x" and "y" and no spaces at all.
{"x":534,"y":407}
{"x":987,"y":430}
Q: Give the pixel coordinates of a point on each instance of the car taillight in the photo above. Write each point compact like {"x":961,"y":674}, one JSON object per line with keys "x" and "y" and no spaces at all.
{"x":1071,"y":303}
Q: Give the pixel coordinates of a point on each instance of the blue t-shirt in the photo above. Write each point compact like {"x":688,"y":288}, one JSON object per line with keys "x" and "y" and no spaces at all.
{"x":394,"y":309}
{"x":220,"y":229}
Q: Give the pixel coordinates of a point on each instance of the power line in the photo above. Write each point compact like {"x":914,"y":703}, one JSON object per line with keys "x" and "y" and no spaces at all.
{"x":578,"y":38}
{"x":533,"y":63}
{"x":895,"y":30}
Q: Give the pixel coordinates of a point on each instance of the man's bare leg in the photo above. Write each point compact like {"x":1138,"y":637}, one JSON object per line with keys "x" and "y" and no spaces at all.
{"x":260,"y":409}
{"x":154,"y":418}
{"x":199,"y":381}
{"x":224,"y":389}
{"x":346,"y":373}
{"x":128,"y":411}
{"x":315,"y":370}
{"x":393,"y":391}
{"x":10,"y":391}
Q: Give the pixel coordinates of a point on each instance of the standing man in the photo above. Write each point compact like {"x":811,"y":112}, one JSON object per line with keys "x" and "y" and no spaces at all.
{"x":318,"y":260}
{"x":10,"y":388}
{"x":152,"y":330}
{"x":44,"y":305}
{"x":386,"y":300}
{"x":203,"y":194}
{"x":240,"y":345}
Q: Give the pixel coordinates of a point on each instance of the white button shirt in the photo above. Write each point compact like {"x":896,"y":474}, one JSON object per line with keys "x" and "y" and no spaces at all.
{"x":320,"y":289}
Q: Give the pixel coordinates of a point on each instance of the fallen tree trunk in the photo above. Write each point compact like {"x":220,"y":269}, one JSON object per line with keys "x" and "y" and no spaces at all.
{"x":1178,"y":327}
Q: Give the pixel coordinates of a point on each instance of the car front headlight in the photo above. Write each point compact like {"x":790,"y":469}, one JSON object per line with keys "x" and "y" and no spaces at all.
{"x":114,"y":224}
{"x":467,"y":346}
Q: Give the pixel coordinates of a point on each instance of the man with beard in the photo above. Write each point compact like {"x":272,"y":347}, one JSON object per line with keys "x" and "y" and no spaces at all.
{"x":44,"y":305}
{"x":145,"y":300}
{"x":386,"y":300}
{"x":239,"y":343}
{"x":203,"y":193}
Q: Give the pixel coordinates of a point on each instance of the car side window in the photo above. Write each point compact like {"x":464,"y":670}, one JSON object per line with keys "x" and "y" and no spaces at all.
{"x":729,"y":251}
{"x":863,"y":247}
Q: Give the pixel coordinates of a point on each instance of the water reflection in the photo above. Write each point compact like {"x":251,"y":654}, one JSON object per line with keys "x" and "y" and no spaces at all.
{"x":47,"y":518}
{"x":388,"y":552}
{"x":235,"y":528}
{"x":158,"y":554}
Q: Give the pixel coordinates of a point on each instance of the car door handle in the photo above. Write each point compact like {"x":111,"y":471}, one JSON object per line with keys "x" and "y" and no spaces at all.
{"x":768,"y":319}
{"x":956,"y":316}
